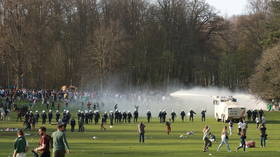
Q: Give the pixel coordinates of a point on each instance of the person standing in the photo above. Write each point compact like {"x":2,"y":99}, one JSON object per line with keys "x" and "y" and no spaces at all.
{"x":21,"y":145}
{"x":192,"y":113}
{"x":239,"y":126}
{"x":173,"y":116}
{"x":149,"y":115}
{"x":263,"y":135}
{"x":60,"y":144}
{"x":224,"y":139}
{"x":257,"y":122}
{"x":249,"y":115}
{"x":44,"y":144}
{"x":57,"y":114}
{"x":141,"y":131}
{"x":135,"y":116}
{"x":72,"y":123}
{"x":203,"y":115}
{"x":111,"y":117}
{"x":242,"y":142}
{"x":50,"y":116}
{"x":207,"y":142}
{"x":44,"y":117}
{"x":230,"y":124}
{"x":183,"y":114}
{"x":103,"y":122}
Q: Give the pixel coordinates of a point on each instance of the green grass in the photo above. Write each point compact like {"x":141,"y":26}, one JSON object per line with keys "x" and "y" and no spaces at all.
{"x":122,"y":140}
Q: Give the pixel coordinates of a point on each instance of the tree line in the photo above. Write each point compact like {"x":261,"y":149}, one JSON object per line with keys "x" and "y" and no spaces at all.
{"x":134,"y":43}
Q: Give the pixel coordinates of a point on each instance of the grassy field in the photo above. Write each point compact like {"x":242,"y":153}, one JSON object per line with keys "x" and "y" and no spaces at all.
{"x":122,"y":140}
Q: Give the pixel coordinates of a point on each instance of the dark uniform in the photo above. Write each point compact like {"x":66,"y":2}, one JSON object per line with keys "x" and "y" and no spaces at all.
{"x":183,"y":114}
{"x":149,"y":115}
{"x":135,"y":116}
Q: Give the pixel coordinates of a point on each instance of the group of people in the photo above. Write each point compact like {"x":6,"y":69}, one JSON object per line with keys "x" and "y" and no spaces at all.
{"x":242,"y":132}
{"x":57,"y":141}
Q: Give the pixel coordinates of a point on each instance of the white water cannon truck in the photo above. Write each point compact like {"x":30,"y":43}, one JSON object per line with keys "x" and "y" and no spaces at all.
{"x":227,"y":108}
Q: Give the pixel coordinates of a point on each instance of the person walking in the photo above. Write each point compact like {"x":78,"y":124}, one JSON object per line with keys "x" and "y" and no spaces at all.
{"x":60,"y":144}
{"x":141,"y":131}
{"x":207,"y":142}
{"x":21,"y":145}
{"x":263,"y":135}
{"x":44,"y":144}
{"x":224,"y":139}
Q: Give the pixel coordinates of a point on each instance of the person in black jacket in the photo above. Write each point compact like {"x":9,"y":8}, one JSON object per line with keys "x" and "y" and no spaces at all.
{"x":72,"y":123}
{"x":183,"y":114}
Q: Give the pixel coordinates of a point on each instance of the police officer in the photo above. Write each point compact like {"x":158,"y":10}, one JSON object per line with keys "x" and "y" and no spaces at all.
{"x":129,"y":116}
{"x":111,"y":117}
{"x":192,"y":113}
{"x":72,"y":123}
{"x":203,"y":115}
{"x":183,"y":114}
{"x":50,"y":115}
{"x":44,"y":117}
{"x":149,"y":115}
{"x":57,"y":114}
{"x":36,"y":116}
{"x":135,"y":116}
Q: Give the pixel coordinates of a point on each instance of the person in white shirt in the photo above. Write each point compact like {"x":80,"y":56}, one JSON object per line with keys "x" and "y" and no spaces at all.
{"x":239,"y":126}
{"x":230,"y":124}
{"x":257,"y":122}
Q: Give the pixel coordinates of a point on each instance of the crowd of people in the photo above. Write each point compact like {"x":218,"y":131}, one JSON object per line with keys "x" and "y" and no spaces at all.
{"x":53,"y":115}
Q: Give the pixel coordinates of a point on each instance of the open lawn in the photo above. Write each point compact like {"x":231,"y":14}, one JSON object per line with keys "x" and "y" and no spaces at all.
{"x":122,"y":139}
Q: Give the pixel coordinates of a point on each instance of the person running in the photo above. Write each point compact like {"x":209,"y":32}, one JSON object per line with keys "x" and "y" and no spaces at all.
{"x":205,"y":138}
{"x":21,"y":145}
{"x":242,"y":141}
{"x":60,"y":144}
{"x":141,"y":131}
{"x":263,"y":136}
{"x":44,"y":144}
{"x":168,"y":126}
{"x":224,"y":139}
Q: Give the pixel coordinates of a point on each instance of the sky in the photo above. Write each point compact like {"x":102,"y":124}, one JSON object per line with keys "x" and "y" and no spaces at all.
{"x":229,"y":7}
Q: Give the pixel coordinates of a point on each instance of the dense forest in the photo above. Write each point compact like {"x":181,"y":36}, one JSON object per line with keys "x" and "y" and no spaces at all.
{"x":139,"y":43}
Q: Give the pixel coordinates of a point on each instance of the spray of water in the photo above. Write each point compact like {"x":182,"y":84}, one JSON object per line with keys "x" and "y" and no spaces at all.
{"x":197,"y":99}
